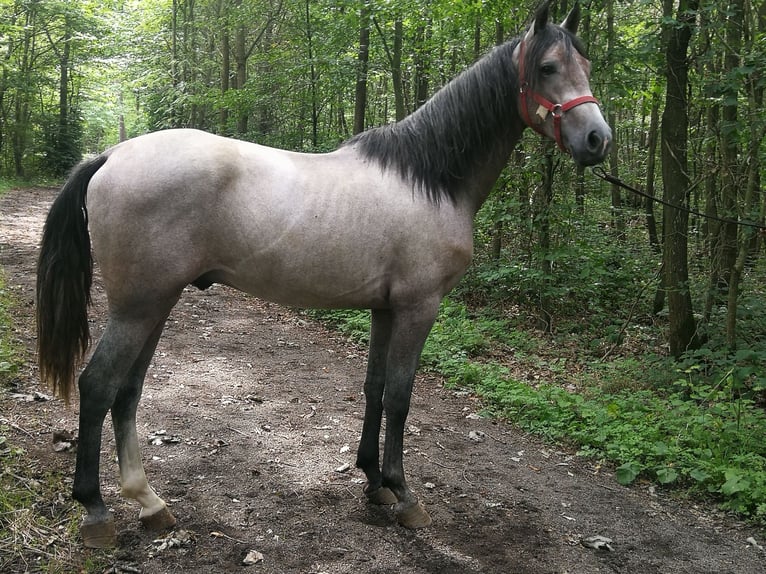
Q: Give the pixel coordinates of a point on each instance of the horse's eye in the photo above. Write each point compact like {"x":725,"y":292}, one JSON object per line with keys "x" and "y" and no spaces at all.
{"x":548,"y":69}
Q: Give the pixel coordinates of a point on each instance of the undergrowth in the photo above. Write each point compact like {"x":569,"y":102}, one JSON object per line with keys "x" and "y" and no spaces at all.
{"x":9,"y":350}
{"x":38,"y":523}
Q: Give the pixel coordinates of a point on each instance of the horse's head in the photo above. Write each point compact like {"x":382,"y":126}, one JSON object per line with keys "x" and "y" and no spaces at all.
{"x":555,"y":97}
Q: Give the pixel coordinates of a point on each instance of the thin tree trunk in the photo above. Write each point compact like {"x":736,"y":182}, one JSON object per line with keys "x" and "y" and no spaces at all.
{"x":422,"y":34}
{"x":396,"y":70}
{"x":618,"y":222}
{"x":499,"y":225}
{"x":651,"y":161}
{"x":674,"y":136}
{"x":749,"y":204}
{"x":727,"y":244}
{"x":240,"y":74}
{"x":223,"y":113}
{"x":542,"y":218}
{"x":731,"y":259}
{"x":312,"y":79}
{"x":363,"y":62}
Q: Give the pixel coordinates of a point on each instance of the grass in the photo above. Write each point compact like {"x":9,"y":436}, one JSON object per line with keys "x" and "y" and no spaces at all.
{"x":9,"y":183}
{"x":9,"y":349}
{"x":38,"y":522}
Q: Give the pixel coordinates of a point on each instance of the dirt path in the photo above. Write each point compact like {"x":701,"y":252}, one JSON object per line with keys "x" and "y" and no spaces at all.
{"x":260,"y":408}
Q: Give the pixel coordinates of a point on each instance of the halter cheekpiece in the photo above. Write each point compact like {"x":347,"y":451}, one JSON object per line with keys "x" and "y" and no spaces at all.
{"x":556,"y":110}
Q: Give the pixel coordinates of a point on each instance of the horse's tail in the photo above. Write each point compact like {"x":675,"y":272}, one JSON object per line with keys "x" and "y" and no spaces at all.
{"x":64,"y":277}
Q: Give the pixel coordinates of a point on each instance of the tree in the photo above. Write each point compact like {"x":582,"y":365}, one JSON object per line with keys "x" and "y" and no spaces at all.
{"x":675,"y":122}
{"x":363,"y":63}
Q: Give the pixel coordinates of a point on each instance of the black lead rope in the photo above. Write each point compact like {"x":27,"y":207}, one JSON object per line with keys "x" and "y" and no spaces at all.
{"x":600,"y":172}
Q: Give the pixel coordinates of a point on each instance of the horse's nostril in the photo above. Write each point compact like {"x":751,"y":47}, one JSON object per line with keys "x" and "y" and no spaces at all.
{"x":595,"y":141}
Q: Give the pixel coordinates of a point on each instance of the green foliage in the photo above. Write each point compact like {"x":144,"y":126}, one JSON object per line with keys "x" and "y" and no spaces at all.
{"x":9,"y":349}
{"x":62,"y":144}
{"x":35,"y":519}
{"x":353,"y":323}
{"x":45,"y":45}
{"x":696,"y":438}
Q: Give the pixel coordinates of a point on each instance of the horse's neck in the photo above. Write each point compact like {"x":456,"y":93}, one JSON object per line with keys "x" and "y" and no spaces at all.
{"x":480,"y":106}
{"x":485,"y":175}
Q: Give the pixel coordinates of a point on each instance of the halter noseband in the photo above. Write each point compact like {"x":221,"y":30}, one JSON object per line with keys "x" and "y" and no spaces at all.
{"x":556,"y":110}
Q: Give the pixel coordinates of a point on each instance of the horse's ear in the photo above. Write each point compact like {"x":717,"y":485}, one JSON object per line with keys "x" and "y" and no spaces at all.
{"x":572,"y":20}
{"x":541,"y":18}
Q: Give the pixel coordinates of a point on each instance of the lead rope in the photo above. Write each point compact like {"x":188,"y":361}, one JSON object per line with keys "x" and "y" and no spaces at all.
{"x":601,"y":173}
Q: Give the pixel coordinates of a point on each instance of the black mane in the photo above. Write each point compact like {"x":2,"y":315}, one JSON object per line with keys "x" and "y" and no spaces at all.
{"x":442,"y":143}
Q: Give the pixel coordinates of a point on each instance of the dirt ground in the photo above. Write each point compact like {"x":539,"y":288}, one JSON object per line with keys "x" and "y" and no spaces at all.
{"x":252,"y":414}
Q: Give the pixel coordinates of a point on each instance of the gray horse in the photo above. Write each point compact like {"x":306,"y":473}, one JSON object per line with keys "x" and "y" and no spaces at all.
{"x":385,"y":222}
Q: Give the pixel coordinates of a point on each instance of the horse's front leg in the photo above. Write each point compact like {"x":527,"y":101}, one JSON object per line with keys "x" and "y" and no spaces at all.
{"x":368,"y":455}
{"x":408,"y":334}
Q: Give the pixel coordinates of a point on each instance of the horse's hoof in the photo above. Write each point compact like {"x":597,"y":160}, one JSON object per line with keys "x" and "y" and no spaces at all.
{"x":162,"y":519}
{"x":412,"y":515}
{"x":381,"y":495}
{"x":99,"y":534}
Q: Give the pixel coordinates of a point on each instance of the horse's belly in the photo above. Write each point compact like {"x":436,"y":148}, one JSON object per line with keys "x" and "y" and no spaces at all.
{"x":310,"y":286}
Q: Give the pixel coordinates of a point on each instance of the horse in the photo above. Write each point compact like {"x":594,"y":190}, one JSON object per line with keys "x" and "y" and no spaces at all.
{"x":384,"y":222}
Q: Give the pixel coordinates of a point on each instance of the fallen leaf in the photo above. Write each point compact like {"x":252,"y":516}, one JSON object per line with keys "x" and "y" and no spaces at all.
{"x":253,"y":557}
{"x":477,"y":436}
{"x":752,"y":542}
{"x":63,"y":440}
{"x":597,"y":542}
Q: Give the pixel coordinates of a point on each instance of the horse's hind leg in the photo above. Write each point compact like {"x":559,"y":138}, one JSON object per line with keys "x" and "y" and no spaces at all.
{"x":100,"y":383}
{"x":154,"y":512}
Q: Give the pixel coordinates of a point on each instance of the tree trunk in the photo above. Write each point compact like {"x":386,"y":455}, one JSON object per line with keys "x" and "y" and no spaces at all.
{"x":674,"y":136}
{"x":750,"y":203}
{"x":711,"y":226}
{"x":312,"y":79}
{"x":729,"y":130}
{"x":240,"y":75}
{"x":499,"y":226}
{"x":396,"y":71}
{"x":731,"y":263}
{"x":223,"y":112}
{"x":363,"y":61}
{"x":174,"y":58}
{"x":22,"y":115}
{"x":618,"y":222}
{"x":542,"y":220}
{"x":651,"y":161}
{"x":421,"y":64}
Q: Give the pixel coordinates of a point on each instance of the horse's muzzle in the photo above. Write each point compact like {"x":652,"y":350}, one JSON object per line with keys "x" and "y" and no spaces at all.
{"x":594,"y":146}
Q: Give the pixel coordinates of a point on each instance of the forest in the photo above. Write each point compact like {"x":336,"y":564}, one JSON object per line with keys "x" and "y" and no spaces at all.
{"x":629,"y":325}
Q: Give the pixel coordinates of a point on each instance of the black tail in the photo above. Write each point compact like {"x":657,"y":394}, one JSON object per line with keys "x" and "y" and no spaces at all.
{"x":64,"y":276}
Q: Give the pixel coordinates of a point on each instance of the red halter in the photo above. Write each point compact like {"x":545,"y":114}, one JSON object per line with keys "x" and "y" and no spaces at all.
{"x":556,"y":110}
